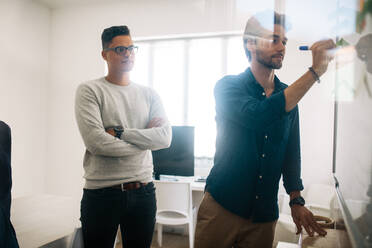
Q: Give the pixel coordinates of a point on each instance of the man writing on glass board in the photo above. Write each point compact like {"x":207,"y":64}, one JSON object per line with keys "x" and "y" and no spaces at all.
{"x":258,"y":140}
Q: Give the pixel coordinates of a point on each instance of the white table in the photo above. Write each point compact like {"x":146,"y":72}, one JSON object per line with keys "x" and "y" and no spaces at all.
{"x":196,"y":187}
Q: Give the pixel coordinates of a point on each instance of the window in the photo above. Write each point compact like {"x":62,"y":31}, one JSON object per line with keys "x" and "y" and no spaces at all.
{"x":168,"y":78}
{"x":184,"y":71}
{"x":205,"y":69}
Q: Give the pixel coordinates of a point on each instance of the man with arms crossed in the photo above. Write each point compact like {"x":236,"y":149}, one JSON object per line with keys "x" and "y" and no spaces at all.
{"x":120,"y":123}
{"x":258,"y":140}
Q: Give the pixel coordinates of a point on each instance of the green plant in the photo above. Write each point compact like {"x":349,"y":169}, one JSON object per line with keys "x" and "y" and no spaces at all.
{"x":367,"y":9}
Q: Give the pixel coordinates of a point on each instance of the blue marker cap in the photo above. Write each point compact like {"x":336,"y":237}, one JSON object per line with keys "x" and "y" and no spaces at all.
{"x":304,"y":48}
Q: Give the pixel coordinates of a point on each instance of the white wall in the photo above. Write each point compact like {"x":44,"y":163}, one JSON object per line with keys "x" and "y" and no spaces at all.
{"x":75,"y":57}
{"x":24,"y":47}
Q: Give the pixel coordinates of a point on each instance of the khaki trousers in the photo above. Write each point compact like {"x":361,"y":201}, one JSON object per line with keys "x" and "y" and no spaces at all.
{"x":218,"y":228}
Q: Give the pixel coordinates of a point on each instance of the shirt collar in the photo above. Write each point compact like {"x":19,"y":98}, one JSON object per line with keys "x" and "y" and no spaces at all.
{"x":252,"y":80}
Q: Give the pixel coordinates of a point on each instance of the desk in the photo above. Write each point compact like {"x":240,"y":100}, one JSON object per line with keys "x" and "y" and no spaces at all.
{"x":195,"y":186}
{"x":198,"y":186}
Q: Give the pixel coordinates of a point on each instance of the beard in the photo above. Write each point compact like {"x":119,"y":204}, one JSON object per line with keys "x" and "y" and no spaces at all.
{"x":267,"y":61}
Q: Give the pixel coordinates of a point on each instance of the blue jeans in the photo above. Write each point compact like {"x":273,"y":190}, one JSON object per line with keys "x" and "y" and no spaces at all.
{"x":103,"y":210}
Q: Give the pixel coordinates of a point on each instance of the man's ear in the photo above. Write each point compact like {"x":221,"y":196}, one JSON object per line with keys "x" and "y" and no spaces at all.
{"x":104,"y":55}
{"x":251,"y":45}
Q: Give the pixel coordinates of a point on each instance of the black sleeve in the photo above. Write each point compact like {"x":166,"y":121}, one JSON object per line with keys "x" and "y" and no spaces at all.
{"x":292,"y":161}
{"x":5,"y":138}
{"x":5,"y":157}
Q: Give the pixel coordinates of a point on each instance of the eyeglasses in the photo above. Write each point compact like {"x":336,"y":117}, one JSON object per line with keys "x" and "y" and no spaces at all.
{"x":122,"y":50}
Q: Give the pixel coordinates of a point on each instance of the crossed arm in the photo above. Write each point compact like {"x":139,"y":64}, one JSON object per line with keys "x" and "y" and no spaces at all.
{"x":98,"y":141}
{"x":156,"y":135}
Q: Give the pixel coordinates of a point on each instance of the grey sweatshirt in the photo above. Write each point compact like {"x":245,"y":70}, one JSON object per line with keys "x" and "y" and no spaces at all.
{"x":108,"y":161}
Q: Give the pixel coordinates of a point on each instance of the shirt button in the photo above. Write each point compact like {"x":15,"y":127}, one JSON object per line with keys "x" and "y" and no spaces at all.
{"x":260,"y":177}
{"x":263,"y":93}
{"x":256,"y":196}
{"x":263,"y":155}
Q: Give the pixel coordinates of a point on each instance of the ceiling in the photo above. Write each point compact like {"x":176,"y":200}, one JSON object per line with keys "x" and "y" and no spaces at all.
{"x":54,"y":4}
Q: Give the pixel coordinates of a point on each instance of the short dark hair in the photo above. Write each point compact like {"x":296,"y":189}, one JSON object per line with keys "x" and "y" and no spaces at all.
{"x":262,"y":20}
{"x":109,"y":33}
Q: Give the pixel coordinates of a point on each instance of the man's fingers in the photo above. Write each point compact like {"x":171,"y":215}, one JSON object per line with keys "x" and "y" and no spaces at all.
{"x":329,"y":44}
{"x":307,"y":227}
{"x":323,"y":44}
{"x":159,"y":122}
{"x":319,"y":230}
{"x":155,"y":122}
{"x":298,"y":225}
{"x":110,"y":131}
{"x":316,"y":227}
{"x":309,"y":230}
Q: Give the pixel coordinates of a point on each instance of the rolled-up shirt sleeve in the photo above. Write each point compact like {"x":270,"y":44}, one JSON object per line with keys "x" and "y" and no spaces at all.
{"x":292,"y":159}
{"x":233,"y":103}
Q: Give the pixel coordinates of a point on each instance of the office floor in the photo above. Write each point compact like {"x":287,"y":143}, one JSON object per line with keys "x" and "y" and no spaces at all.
{"x":169,"y":241}
{"x":172,"y":241}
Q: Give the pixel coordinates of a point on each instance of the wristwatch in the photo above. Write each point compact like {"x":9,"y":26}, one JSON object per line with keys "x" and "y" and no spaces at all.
{"x":299,"y":200}
{"x":118,"y":131}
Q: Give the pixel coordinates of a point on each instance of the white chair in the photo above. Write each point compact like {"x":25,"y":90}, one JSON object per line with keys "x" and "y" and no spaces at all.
{"x":174,"y":204}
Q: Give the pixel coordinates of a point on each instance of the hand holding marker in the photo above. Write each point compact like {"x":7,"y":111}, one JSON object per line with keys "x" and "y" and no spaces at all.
{"x":345,"y":52}
{"x":339,"y":44}
{"x":322,"y":55}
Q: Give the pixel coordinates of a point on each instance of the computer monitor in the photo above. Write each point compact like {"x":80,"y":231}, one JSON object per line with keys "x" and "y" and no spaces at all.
{"x":178,"y":159}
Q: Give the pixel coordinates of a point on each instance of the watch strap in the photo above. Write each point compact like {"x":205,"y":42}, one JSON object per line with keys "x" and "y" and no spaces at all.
{"x":299,"y":200}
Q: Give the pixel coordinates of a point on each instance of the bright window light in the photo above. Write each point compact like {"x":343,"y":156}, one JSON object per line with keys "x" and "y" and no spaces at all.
{"x":140,"y":72}
{"x":168,"y":78}
{"x":237,"y":62}
{"x":205,"y":69}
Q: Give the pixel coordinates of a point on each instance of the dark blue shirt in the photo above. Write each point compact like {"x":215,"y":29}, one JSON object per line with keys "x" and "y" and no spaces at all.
{"x":257,"y":142}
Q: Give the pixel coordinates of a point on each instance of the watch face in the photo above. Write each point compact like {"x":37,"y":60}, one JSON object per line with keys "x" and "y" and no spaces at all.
{"x":297,"y":201}
{"x":118,"y":129}
{"x":301,"y":201}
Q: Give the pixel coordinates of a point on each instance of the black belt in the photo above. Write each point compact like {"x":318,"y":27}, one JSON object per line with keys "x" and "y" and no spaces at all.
{"x":129,"y":186}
